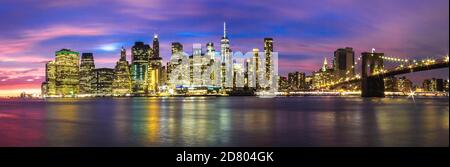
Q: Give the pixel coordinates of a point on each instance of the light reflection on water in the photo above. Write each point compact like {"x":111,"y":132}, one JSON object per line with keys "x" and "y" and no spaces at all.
{"x":225,"y":121}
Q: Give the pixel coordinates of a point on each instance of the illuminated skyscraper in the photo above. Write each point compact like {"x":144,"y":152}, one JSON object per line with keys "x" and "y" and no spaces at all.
{"x":256,"y":68}
{"x":268,"y":51}
{"x":323,"y":76}
{"x":87,"y":67}
{"x":122,"y":75}
{"x":196,"y":63}
{"x":140,"y":54}
{"x":67,"y":72}
{"x":104,"y":81}
{"x":155,"y":68}
{"x":49,"y":86}
{"x":155,"y":46}
{"x":296,"y":80}
{"x":344,"y":62}
{"x":227,"y":62}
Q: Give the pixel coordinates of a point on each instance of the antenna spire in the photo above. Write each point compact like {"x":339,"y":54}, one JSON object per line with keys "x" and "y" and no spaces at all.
{"x":224,"y":29}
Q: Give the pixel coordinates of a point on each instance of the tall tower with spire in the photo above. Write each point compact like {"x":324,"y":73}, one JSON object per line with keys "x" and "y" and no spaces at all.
{"x":226,"y":58}
{"x":122,"y":76}
{"x":325,"y":65}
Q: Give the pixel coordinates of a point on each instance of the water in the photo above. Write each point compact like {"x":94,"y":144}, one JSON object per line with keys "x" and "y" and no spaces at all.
{"x":226,"y":121}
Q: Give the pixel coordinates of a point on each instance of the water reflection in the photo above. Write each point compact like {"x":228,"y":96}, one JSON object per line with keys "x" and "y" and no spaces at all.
{"x":222,"y":121}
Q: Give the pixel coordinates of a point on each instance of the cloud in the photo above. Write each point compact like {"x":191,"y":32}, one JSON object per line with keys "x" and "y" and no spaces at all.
{"x":30,"y":38}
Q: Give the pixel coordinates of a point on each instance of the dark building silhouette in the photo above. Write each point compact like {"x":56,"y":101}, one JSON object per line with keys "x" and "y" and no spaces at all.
{"x":344,"y":62}
{"x":104,"y":78}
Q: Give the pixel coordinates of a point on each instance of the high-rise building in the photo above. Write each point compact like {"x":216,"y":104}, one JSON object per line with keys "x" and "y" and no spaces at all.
{"x":390,"y":84}
{"x":344,"y":63}
{"x":122,"y":75}
{"x":296,"y":80}
{"x":155,"y":46}
{"x":49,"y":86}
{"x":268,"y":52}
{"x":67,"y":72}
{"x":154,"y":69}
{"x":87,"y":67}
{"x":433,"y":85}
{"x":104,"y":81}
{"x":323,"y":77}
{"x":140,"y":54}
{"x":283,"y":83}
{"x":196,"y":63}
{"x":256,"y":68}
{"x":226,"y":59}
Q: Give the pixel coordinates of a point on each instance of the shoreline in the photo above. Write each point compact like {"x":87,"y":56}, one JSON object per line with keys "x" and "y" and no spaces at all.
{"x":328,"y":94}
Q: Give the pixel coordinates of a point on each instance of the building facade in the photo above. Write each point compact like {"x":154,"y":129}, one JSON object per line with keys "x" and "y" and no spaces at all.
{"x":87,"y":67}
{"x":67,"y":72}
{"x":122,"y":75}
{"x":140,"y":54}
{"x":344,"y":63}
{"x":104,"y":78}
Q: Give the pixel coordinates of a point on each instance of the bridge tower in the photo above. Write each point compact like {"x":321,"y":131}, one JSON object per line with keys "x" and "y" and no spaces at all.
{"x":372,"y":63}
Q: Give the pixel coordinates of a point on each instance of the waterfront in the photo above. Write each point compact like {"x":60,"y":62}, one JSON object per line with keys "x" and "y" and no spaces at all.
{"x":226,"y":121}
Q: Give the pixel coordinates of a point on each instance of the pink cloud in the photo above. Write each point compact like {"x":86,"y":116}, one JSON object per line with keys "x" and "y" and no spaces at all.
{"x":30,"y":38}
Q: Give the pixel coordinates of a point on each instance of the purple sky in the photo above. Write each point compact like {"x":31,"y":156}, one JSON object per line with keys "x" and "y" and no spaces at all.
{"x":304,"y":32}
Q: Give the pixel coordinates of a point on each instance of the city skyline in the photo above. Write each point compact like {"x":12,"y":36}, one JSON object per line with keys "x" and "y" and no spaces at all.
{"x":23,"y":52}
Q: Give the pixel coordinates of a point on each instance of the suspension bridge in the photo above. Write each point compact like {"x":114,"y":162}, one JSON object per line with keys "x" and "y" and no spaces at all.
{"x":372,"y":75}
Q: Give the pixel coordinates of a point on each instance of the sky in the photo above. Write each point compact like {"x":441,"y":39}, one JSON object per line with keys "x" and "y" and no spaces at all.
{"x":304,"y":31}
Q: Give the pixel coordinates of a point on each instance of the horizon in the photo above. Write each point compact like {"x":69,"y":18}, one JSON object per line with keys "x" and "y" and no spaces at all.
{"x":302,"y":37}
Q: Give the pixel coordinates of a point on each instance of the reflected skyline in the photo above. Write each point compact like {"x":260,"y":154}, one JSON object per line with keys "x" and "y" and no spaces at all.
{"x":216,"y":121}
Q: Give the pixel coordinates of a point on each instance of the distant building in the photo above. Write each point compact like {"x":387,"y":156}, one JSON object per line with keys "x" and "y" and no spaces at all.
{"x":49,"y":86}
{"x":122,"y":75}
{"x":433,"y":85}
{"x":324,"y":77}
{"x":446,"y":85}
{"x":296,"y":81}
{"x":344,"y":63}
{"x":390,"y":84}
{"x":87,"y":67}
{"x":268,"y":51}
{"x":104,"y":81}
{"x":283,"y":84}
{"x":308,"y":82}
{"x":65,"y":71}
{"x":140,"y":54}
{"x":404,"y":84}
{"x":154,"y":68}
{"x":226,"y":59}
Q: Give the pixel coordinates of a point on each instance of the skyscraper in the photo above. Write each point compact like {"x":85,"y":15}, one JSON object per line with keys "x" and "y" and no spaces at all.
{"x":344,"y":62}
{"x":296,"y":80}
{"x":49,"y":86}
{"x":268,"y":50}
{"x":87,"y":67}
{"x":226,"y":59}
{"x":104,"y":81}
{"x":122,"y":75}
{"x":256,"y":68}
{"x":140,"y":54}
{"x":154,"y":69}
{"x":67,"y":72}
{"x":196,"y":70}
